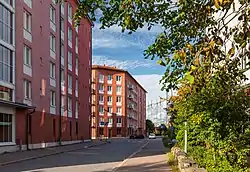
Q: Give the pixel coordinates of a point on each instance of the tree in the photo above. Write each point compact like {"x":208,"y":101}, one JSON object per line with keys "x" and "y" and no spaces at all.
{"x":150,"y":126}
{"x":202,"y":55}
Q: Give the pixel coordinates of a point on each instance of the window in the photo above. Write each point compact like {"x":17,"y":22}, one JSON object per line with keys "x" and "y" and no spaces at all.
{"x":63,"y":101}
{"x":109,"y":77}
{"x":101,"y":109}
{"x":76,"y":127}
{"x":101,"y":132}
{"x":76,"y":84}
{"x":27,"y":55}
{"x":109,"y":88}
{"x":77,"y":41}
{"x":6,"y":64}
{"x":5,"y":128}
{"x":53,"y":43}
{"x":27,"y":89}
{"x":62,"y":76}
{"x":118,"y":89}
{"x":77,"y":109}
{"x":101,"y":87}
{"x":69,"y":103}
{"x":52,"y":98}
{"x":119,"y":110}
{"x":118,"y":78}
{"x":101,"y":77}
{"x":101,"y":99}
{"x":70,"y":11}
{"x":110,"y":109}
{"x":52,"y":70}
{"x":62,"y":24}
{"x":118,"y":120}
{"x":77,"y":62}
{"x":118,"y":99}
{"x":70,"y":81}
{"x":70,"y":34}
{"x":27,"y":21}
{"x":109,"y":99}
{"x":52,"y":14}
{"x":70,"y":128}
{"x":69,"y":59}
{"x":62,"y":50}
{"x":6,"y":30}
{"x":110,"y":120}
{"x":118,"y":131}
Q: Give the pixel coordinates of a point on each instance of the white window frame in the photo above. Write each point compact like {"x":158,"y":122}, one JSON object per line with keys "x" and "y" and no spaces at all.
{"x":109,"y":98}
{"x":118,"y":111}
{"x":101,"y":98}
{"x":52,"y":98}
{"x":27,"y":95}
{"x":70,"y":34}
{"x":118,"y":91}
{"x":27,"y":23}
{"x":70,"y":57}
{"x":52,"y":14}
{"x":118,"y":78}
{"x":69,"y":103}
{"x":118,"y":99}
{"x":53,"y":43}
{"x":101,"y":86}
{"x":69,"y":81}
{"x":109,"y":86}
{"x":52,"y":69}
{"x":70,"y":11}
{"x":27,"y":56}
{"x":101,"y":111}
{"x":110,"y":111}
{"x":76,"y":84}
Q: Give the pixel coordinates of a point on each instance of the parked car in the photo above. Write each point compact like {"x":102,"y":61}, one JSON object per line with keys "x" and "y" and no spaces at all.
{"x":137,"y":136}
{"x":151,"y":136}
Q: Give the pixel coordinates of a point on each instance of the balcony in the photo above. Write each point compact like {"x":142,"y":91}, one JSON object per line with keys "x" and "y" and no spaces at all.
{"x":93,"y":91}
{"x":101,"y":102}
{"x":101,"y":81}
{"x":101,"y":91}
{"x":110,"y":124}
{"x":52,"y":26}
{"x":130,"y":87}
{"x":130,"y":96}
{"x":52,"y":109}
{"x":52,"y":82}
{"x":110,"y":103}
{"x":109,"y":113}
{"x":109,"y":81}
{"x":118,"y":103}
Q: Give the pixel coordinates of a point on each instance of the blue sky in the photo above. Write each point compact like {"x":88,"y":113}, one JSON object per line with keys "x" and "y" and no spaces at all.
{"x":113,"y":48}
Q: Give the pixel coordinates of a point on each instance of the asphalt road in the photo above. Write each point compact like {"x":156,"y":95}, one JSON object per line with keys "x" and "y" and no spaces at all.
{"x":120,"y":156}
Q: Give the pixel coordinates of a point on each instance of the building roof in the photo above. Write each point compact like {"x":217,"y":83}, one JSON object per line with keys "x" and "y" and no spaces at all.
{"x":113,"y":68}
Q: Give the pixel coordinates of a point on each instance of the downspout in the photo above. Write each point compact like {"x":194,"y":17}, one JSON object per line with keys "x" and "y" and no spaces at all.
{"x":27,"y":128}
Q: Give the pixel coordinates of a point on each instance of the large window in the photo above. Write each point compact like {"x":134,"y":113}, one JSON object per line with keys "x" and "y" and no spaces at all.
{"x":5,"y":64}
{"x":70,"y":11}
{"x":27,"y":89}
{"x":52,"y":14}
{"x":6,"y":29}
{"x":53,"y":43}
{"x":52,"y":70}
{"x":70,"y":81}
{"x":27,"y":55}
{"x":27,"y":21}
{"x":70,"y":34}
{"x":5,"y":128}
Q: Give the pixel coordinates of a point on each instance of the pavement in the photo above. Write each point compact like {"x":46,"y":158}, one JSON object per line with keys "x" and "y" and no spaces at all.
{"x":118,"y":156}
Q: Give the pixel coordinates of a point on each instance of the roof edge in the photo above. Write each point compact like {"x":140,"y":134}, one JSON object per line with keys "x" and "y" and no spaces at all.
{"x":117,"y":69}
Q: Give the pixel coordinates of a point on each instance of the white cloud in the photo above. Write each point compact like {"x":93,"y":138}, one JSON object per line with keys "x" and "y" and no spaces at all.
{"x":152,"y":85}
{"x":117,"y":29}
{"x":121,"y":64}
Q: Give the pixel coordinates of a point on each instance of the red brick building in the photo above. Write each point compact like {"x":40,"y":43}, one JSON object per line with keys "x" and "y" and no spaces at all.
{"x":118,"y":103}
{"x":32,"y":81}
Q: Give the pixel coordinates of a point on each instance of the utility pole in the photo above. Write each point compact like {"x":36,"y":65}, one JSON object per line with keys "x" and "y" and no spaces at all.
{"x":60,"y":78}
{"x":185,"y":148}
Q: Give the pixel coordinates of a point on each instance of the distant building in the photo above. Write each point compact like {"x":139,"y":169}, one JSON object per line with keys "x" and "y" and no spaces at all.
{"x":30,"y":74}
{"x":118,"y":103}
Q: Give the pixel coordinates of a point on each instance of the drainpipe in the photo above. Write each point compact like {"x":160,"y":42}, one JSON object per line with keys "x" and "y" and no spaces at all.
{"x":27,"y":127}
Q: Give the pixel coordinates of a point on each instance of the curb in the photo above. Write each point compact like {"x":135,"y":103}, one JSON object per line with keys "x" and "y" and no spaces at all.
{"x":49,"y":154}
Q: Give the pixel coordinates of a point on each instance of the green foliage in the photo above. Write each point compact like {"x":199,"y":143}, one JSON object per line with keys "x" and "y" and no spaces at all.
{"x":202,"y":55}
{"x":150,"y":127}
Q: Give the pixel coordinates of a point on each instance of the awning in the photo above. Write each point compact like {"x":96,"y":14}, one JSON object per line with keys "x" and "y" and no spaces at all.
{"x":16,"y":105}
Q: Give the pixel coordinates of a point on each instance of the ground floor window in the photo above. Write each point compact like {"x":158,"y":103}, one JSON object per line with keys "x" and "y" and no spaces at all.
{"x":5,"y":128}
{"x":118,"y":131}
{"x":101,"y":131}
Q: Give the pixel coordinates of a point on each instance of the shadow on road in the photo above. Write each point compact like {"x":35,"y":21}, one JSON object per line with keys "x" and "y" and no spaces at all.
{"x":99,"y":159}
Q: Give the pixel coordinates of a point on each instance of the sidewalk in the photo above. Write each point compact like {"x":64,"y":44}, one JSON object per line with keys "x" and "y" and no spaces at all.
{"x":15,"y":157}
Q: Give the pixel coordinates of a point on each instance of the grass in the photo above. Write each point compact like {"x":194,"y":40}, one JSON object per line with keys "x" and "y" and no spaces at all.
{"x":172,"y":162}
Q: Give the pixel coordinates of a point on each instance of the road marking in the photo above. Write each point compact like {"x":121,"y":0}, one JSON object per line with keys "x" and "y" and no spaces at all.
{"x":132,"y":155}
{"x":83,"y":153}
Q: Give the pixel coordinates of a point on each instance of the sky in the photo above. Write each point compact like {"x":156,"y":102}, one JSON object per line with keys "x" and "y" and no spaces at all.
{"x":113,"y":48}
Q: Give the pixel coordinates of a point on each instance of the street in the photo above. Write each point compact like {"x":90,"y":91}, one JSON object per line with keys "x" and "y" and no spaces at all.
{"x":121,"y":155}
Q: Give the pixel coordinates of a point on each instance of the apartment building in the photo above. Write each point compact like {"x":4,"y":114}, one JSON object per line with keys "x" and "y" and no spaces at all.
{"x":45,"y":70}
{"x":118,"y":103}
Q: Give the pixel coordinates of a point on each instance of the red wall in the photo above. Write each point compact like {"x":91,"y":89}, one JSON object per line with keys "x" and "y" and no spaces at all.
{"x":42,"y":123}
